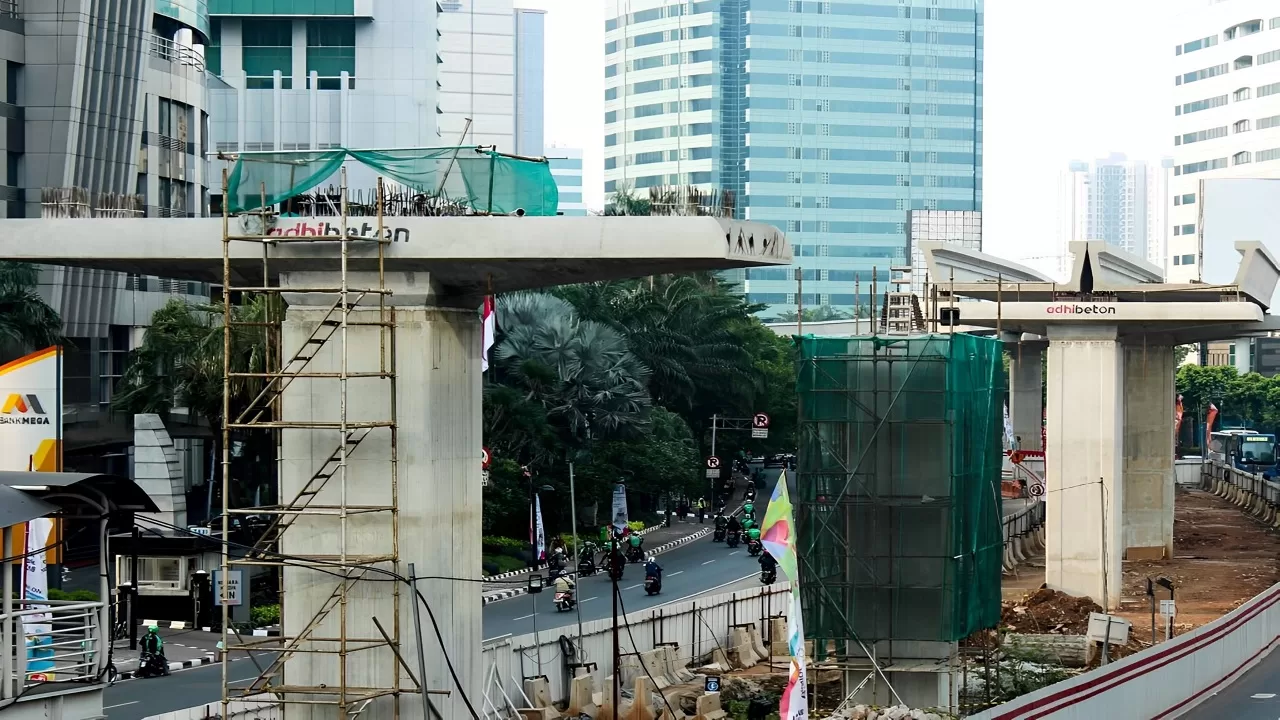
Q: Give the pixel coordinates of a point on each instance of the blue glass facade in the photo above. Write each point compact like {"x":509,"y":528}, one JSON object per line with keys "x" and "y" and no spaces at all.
{"x":830,"y":120}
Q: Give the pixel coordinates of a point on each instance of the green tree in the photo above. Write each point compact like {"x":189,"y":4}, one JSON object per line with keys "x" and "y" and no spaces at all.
{"x":180,"y":364}
{"x":818,"y":314}
{"x":27,"y":323}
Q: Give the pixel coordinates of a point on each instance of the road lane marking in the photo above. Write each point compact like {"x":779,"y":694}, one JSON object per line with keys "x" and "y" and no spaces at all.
{"x":735,"y":552}
{"x":1263,"y":696}
{"x":523,"y":617}
{"x":708,"y":590}
{"x":676,"y":573}
{"x":591,"y":598}
{"x":633,"y":587}
{"x":708,"y":562}
{"x":135,"y":702}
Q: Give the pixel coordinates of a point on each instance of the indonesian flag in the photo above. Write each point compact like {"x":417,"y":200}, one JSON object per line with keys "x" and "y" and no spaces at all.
{"x":490,"y":319}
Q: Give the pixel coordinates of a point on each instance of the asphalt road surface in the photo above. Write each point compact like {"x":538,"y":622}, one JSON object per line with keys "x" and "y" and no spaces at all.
{"x":144,"y":697}
{"x":700,"y":567}
{"x":1255,"y":695}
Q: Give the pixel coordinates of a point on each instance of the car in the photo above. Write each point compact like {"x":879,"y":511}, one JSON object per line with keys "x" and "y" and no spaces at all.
{"x":777,"y":460}
{"x":756,"y":460}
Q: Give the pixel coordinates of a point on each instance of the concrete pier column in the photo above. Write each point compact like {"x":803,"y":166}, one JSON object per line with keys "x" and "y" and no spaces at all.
{"x":438,"y":414}
{"x":1148,"y":452}
{"x":1084,"y":466}
{"x":1026,"y":399}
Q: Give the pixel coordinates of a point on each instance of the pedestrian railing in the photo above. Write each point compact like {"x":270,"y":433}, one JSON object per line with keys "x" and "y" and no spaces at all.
{"x":50,"y":641}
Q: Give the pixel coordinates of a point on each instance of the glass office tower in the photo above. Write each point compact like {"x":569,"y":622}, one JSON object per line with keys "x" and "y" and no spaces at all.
{"x":830,"y":120}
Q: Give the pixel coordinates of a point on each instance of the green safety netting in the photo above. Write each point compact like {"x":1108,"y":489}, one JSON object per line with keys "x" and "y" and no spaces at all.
{"x":487,"y":181}
{"x":898,"y":490}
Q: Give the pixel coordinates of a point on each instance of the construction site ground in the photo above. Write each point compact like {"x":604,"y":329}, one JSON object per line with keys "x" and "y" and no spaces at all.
{"x":1221,"y":558}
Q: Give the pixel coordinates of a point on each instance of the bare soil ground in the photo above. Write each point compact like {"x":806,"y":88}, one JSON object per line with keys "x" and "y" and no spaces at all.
{"x":1222,"y":557}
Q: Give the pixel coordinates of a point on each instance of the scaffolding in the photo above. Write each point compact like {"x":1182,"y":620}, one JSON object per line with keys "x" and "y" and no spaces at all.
{"x":318,"y":529}
{"x":898,"y":504}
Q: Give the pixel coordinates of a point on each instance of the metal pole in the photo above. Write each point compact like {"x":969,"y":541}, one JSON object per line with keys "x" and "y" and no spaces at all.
{"x":715,"y":491}
{"x":617,"y":651}
{"x":577,"y":553}
{"x":133,"y":586}
{"x":799,"y":301}
{"x":8,"y":635}
{"x":422,"y":658}
{"x":537,"y":643}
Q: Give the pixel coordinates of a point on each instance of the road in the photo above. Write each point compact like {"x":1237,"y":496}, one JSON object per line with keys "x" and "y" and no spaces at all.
{"x":697,"y":568}
{"x":1255,"y":695}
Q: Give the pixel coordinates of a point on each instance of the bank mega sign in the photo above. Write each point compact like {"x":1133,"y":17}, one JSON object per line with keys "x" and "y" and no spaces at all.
{"x":31,"y":412}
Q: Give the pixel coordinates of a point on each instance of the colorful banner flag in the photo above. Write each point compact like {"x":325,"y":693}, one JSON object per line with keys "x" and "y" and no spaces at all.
{"x":777,"y":533}
{"x":38,"y":627}
{"x":1208,"y":428}
{"x":1177,"y":419}
{"x":540,"y":538}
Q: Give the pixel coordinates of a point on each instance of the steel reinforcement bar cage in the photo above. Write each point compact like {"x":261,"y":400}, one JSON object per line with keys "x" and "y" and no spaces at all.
{"x":898,"y":491}
{"x":346,"y":304}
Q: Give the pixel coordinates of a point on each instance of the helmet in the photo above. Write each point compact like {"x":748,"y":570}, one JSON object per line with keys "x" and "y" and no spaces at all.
{"x":650,"y":559}
{"x":153,"y":628}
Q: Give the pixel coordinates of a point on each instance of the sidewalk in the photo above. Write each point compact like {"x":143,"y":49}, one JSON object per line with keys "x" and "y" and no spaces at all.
{"x":657,"y":539}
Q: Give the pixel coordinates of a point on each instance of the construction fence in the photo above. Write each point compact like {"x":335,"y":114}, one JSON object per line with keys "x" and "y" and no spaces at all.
{"x":898,"y":491}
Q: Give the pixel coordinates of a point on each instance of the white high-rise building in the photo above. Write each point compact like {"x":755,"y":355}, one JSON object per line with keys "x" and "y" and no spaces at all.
{"x":1227,"y":112}
{"x":478,"y":77}
{"x":1115,"y":200}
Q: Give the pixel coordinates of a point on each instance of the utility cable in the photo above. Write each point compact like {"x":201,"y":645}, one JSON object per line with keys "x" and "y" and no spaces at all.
{"x":635,"y":648}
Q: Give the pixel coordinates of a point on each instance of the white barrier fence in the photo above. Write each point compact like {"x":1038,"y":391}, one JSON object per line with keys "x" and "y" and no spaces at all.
{"x":695,"y":628}
{"x":1170,"y":678}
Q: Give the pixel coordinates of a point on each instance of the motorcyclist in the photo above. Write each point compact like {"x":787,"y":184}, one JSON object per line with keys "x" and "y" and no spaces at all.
{"x":748,"y":523}
{"x":735,"y":525}
{"x":636,"y":541}
{"x":564,"y":583}
{"x":652,"y":569}
{"x":558,"y":559}
{"x":749,"y":510}
{"x":767,"y":562}
{"x":153,"y":644}
{"x":753,"y":533}
{"x":721,"y":521}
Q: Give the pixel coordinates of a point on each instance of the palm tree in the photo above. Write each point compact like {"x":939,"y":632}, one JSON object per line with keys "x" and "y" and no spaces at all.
{"x":27,"y":323}
{"x":581,"y":371}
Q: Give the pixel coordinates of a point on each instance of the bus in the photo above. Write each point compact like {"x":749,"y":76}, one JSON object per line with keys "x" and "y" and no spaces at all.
{"x":1246,"y":450}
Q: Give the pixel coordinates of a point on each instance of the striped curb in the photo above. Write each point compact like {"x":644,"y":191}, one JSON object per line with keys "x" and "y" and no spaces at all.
{"x":497,"y":595}
{"x":178,"y":665}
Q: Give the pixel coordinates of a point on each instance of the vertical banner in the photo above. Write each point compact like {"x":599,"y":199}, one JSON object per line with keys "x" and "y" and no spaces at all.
{"x":38,"y":627}
{"x":1208,"y":428}
{"x":540,"y":538}
{"x":1177,"y":420}
{"x":620,"y":517}
{"x":1008,"y":430}
{"x":778,"y":535}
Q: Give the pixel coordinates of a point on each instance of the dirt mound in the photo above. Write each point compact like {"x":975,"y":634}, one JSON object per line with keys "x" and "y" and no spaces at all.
{"x":1048,"y":611}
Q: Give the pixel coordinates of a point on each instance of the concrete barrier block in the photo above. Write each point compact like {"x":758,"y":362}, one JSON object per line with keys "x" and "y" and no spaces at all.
{"x":740,"y":650}
{"x":708,"y":707}
{"x":538,"y":690}
{"x":779,"y":633}
{"x":631,"y":668}
{"x":538,"y":714}
{"x":641,"y":705}
{"x":757,"y":642}
{"x":581,"y":696}
{"x":655,"y":664}
{"x":676,"y":669}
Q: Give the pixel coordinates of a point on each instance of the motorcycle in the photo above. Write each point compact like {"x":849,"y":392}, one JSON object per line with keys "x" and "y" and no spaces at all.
{"x":768,"y":576}
{"x":718,"y":535}
{"x":615,"y":570}
{"x":555,"y":563}
{"x":653,"y":584}
{"x":587,"y":565}
{"x":732,"y":538}
{"x":634,"y":554}
{"x":754,"y":547}
{"x":564,"y":601}
{"x":152,"y":665}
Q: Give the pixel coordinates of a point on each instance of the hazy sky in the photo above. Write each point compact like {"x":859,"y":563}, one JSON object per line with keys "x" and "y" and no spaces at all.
{"x":1063,"y":81}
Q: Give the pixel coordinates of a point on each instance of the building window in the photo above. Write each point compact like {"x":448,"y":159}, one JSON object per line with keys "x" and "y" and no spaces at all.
{"x":331,"y":51}
{"x":1241,"y":94}
{"x":1269,"y":57}
{"x":1240,"y":126}
{"x":1189,"y":259}
{"x":1205,"y":73}
{"x":268,"y":47}
{"x":1266,"y":155}
{"x":1272,"y":89}
{"x":1267,"y":123}
{"x":1177,"y":259}
{"x":1244,"y":61}
{"x":1244,"y":29}
{"x":1241,"y":158}
{"x":1185,"y":199}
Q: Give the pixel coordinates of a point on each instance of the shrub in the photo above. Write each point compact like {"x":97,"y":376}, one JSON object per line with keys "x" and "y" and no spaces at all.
{"x":264,"y":615}
{"x":74,"y":595}
{"x":497,"y":542}
{"x":636,"y":525}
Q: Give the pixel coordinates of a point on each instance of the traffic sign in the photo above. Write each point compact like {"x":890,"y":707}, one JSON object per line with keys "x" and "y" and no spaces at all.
{"x":1167,"y":609}
{"x":234,"y":590}
{"x":713,"y":463}
{"x":1036,"y":489}
{"x":484,"y":458}
{"x":759,"y":426}
{"x":711,"y":684}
